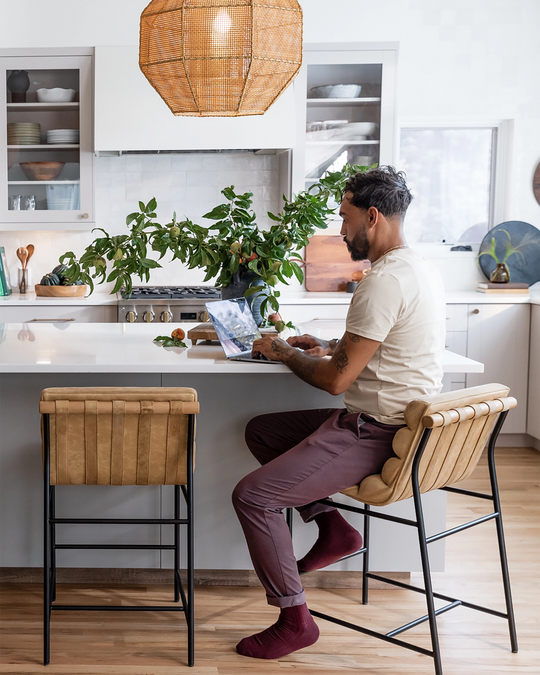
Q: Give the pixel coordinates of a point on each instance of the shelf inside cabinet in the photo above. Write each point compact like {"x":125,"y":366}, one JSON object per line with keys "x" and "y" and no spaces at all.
{"x":343,"y":101}
{"x":35,"y":106}
{"x":43,"y":182}
{"x":46,"y":146}
{"x":342,"y":142}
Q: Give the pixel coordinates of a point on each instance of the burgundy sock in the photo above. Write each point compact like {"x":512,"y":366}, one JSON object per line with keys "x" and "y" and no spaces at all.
{"x":336,"y":540}
{"x":294,"y":629}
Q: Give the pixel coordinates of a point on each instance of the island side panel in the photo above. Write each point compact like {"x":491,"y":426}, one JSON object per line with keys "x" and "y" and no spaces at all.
{"x":228,"y":402}
{"x":21,"y":484}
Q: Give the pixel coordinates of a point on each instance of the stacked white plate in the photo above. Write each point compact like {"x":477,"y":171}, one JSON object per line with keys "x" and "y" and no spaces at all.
{"x":68,"y":136}
{"x":23,"y":133}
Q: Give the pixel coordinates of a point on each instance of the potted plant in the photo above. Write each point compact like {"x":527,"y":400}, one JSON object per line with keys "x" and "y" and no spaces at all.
{"x":241,"y":258}
{"x":501,"y":273}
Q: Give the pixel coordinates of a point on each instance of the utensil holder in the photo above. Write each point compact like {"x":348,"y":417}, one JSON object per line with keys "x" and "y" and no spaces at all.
{"x":23,"y":279}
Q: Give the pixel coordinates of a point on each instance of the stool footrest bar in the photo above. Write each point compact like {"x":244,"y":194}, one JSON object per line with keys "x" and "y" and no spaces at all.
{"x":162,"y":547}
{"x":120,"y":521}
{"x":367,"y":631}
{"x":422,"y":619}
{"x":460,"y":528}
{"x":120,"y":608}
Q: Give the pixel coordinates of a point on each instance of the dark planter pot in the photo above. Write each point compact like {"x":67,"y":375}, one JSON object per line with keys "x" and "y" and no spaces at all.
{"x":242,"y":280}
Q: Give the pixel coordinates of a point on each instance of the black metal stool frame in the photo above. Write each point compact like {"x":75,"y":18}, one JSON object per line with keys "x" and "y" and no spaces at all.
{"x":50,"y":547}
{"x":418,"y":523}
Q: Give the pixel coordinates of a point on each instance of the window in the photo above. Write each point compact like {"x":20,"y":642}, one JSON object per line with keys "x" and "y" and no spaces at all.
{"x":451,"y":172}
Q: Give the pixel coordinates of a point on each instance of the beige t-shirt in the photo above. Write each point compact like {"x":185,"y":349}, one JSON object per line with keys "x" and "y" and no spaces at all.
{"x":401,"y":304}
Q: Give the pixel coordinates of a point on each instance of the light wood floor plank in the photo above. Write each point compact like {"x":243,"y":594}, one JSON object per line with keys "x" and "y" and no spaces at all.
{"x":112,"y":643}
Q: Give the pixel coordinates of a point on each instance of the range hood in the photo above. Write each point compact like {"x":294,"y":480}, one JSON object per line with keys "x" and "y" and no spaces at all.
{"x":130,"y":116}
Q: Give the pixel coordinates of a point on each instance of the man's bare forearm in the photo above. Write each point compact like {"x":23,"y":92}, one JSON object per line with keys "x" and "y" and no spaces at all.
{"x":304,"y":366}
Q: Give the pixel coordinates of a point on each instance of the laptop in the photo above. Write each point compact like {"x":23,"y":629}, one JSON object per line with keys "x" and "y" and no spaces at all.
{"x":236,"y":329}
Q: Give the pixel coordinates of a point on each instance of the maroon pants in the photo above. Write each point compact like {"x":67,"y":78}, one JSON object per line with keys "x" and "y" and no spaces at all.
{"x":305,"y":455}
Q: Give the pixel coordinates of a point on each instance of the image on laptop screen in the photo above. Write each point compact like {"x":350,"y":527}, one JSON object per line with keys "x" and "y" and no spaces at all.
{"x":235,"y":326}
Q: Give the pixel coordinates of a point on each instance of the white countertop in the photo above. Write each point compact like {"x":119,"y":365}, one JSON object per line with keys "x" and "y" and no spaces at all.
{"x":30,"y":299}
{"x":100,"y":297}
{"x":129,"y":348}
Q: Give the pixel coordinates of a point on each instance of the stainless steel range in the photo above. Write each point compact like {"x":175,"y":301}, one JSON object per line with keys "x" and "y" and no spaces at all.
{"x":167,"y":304}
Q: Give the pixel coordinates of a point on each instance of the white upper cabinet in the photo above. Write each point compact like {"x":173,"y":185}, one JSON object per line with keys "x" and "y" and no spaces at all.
{"x":130,"y":115}
{"x":47,"y":158}
{"x":345,"y":109}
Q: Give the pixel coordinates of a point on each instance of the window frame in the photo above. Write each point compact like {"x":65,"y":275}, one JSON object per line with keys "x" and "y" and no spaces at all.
{"x":500,"y":162}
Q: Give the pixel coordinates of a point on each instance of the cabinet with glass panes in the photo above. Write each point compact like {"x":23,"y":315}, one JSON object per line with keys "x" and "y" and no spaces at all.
{"x":46,"y":153}
{"x":345,"y":107}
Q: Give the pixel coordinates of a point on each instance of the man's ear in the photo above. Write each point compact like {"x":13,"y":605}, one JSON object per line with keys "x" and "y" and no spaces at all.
{"x":373,"y":215}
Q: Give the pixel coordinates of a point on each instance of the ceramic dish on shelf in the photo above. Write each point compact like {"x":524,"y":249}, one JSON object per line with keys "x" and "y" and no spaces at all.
{"x":355,"y":130}
{"x":336,"y":91}
{"x":42,"y":170}
{"x":55,"y":95}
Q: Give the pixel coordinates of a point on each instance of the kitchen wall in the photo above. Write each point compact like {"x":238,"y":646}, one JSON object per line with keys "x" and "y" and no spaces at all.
{"x":189,"y":184}
{"x":459,"y":60}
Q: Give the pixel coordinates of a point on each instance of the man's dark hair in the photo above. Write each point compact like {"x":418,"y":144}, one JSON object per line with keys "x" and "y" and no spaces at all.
{"x":382,"y":187}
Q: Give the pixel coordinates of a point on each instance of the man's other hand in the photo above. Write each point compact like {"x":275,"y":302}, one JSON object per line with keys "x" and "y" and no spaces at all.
{"x":312,"y":345}
{"x":270,"y":346}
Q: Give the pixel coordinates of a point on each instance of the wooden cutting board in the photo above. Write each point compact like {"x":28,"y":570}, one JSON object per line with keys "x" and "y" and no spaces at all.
{"x":328,"y":264}
{"x":204,"y":331}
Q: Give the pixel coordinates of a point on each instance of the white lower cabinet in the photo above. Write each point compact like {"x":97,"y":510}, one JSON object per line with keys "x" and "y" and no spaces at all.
{"x":498,"y":336}
{"x":533,"y":417}
{"x":32,"y":313}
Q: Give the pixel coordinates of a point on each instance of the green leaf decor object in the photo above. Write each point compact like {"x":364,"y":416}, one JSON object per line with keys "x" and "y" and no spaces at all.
{"x":232,"y":242}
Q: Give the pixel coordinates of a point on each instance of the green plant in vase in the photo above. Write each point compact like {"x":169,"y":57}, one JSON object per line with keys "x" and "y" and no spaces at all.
{"x":501,"y":273}
{"x":229,"y":250}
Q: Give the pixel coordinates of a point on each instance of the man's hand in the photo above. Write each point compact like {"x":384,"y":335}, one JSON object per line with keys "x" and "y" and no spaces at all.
{"x":271,"y":346}
{"x":312,"y":345}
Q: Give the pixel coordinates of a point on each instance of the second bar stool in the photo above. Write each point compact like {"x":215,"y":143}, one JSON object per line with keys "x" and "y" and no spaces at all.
{"x":119,"y":436}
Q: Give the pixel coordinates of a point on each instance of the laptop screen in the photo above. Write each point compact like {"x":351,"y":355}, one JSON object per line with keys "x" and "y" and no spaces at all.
{"x":234,"y":324}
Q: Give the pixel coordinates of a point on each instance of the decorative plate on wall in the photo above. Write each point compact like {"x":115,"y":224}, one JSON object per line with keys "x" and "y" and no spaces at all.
{"x":524,"y":263}
{"x":536,"y":183}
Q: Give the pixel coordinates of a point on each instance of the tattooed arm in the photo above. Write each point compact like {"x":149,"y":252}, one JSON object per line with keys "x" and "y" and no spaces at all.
{"x":334,"y":375}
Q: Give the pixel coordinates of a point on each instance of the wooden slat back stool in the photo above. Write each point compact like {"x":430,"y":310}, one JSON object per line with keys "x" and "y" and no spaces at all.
{"x":440,"y":446}
{"x":119,"y":436}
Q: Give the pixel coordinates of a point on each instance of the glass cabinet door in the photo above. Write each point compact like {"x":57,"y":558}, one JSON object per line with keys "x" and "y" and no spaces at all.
{"x":46,"y":171}
{"x":347,"y":93}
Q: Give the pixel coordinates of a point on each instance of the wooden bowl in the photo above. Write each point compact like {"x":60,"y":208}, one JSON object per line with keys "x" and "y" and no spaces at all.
{"x":61,"y":291}
{"x":42,"y":170}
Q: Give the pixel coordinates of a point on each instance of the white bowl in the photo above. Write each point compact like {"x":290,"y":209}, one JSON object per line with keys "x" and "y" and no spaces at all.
{"x":336,"y":91}
{"x":355,"y":130}
{"x":56,"y":95}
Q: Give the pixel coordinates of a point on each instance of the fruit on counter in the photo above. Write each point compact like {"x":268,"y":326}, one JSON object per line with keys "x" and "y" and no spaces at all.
{"x":50,"y":280}
{"x":57,"y":278}
{"x":174,"y":340}
{"x":178,"y":334}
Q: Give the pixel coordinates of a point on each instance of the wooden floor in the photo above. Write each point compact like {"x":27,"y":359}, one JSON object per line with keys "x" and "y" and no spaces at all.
{"x":95,"y":643}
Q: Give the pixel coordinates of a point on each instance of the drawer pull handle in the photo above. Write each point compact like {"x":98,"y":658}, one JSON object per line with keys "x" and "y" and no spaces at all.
{"x":476,"y":311}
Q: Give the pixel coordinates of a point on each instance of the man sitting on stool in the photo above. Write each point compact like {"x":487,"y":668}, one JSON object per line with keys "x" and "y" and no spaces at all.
{"x":390,"y":353}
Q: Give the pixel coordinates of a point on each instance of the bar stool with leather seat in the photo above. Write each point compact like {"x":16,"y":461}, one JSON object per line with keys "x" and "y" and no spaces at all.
{"x":119,"y":436}
{"x":440,"y":446}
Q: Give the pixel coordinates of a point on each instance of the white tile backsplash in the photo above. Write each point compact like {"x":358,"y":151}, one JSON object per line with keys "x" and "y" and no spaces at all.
{"x":189,"y":184}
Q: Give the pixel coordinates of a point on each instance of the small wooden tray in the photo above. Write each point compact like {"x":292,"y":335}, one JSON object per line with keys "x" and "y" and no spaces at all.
{"x":61,"y":291}
{"x":204,"y":331}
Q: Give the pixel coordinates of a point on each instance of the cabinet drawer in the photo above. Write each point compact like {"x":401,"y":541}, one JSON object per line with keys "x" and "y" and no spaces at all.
{"x":91,"y":314}
{"x":457,"y":317}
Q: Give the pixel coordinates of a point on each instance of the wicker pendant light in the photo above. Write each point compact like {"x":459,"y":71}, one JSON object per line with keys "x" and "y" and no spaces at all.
{"x":220,"y":58}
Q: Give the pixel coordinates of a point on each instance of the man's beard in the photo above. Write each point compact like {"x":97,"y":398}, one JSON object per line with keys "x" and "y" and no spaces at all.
{"x":359,"y":247}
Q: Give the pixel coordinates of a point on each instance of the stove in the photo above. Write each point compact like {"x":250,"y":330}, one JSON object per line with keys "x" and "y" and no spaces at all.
{"x":166,"y":304}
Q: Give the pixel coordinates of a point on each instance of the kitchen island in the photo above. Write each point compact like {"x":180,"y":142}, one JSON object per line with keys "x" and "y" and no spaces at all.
{"x":84,"y":354}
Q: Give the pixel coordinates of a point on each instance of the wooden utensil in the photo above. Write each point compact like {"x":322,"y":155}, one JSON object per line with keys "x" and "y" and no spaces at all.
{"x":22,"y":254}
{"x":30,"y":250}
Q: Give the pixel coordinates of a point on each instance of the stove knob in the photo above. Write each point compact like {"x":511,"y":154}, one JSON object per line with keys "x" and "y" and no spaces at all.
{"x":131,"y":317}
{"x":203,"y":316}
{"x":148,"y":316}
{"x":166,"y":316}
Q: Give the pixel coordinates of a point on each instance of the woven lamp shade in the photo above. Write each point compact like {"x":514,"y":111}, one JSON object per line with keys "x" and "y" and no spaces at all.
{"x":220,"y":58}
